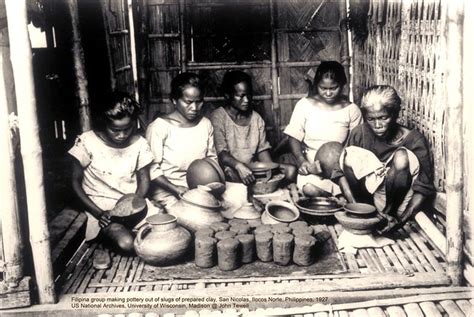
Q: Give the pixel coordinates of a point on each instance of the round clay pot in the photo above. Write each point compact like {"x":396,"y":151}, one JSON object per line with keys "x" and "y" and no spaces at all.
{"x":203,"y":172}
{"x":197,"y":209}
{"x":280,"y":212}
{"x":161,"y":241}
{"x":360,"y":209}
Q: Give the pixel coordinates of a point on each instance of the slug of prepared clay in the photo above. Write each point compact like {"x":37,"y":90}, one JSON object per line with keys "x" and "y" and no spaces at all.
{"x":227,"y":254}
{"x":247,"y":243}
{"x":236,"y":221}
{"x":254,"y":223}
{"x":221,"y":235}
{"x":302,"y":231}
{"x":279,"y":225}
{"x":240,"y":228}
{"x":219,"y":226}
{"x":278,"y":230}
{"x":282,"y":248}
{"x":206,"y":232}
{"x":304,"y":250}
{"x":298,"y":224}
{"x":263,"y":242}
{"x":262,"y":229}
{"x":205,"y":251}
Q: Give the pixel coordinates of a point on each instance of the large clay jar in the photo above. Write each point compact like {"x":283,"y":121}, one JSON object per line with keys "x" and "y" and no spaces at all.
{"x":161,"y":241}
{"x":197,"y":209}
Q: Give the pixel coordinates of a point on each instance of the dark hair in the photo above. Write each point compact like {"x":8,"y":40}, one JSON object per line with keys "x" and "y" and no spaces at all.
{"x":332,"y":70}
{"x":115,"y":106}
{"x":232,"y":78}
{"x":381,"y":96}
{"x":183,"y":80}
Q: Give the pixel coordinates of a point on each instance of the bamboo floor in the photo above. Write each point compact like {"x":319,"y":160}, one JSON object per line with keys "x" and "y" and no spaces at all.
{"x":413,"y":258}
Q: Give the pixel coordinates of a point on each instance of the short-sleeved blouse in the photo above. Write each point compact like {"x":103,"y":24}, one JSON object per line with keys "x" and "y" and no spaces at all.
{"x":314,"y":126}
{"x":175,"y":148}
{"x":243,"y":142}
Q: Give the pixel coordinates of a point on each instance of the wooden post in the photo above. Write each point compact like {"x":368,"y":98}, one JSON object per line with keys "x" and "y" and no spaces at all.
{"x":344,"y":51}
{"x":182,"y":39}
{"x":21,"y":58}
{"x":275,"y":86}
{"x":10,"y":220}
{"x":113,"y":82}
{"x":79,"y":68}
{"x":454,"y":139}
{"x":142,"y":60}
{"x":133,"y":52}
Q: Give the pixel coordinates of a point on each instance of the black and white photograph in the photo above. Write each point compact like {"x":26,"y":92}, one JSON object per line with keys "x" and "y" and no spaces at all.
{"x":236,"y":158}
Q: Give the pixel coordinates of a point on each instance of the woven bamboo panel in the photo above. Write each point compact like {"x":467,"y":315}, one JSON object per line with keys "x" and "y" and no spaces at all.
{"x":116,"y":21}
{"x":404,"y":49}
{"x":302,"y":39}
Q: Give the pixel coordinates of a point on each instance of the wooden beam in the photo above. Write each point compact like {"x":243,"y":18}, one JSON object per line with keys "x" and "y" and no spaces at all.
{"x":21,"y":58}
{"x":274,"y":70}
{"x":430,"y":229}
{"x":133,"y":50}
{"x":182,"y":30}
{"x":454,"y":139}
{"x":79,"y":68}
{"x":344,"y":51}
{"x":10,"y":215}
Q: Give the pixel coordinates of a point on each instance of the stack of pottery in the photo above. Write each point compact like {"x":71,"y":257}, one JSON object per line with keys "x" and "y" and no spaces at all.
{"x":268,"y":177}
{"x":197,"y":209}
{"x":358,"y":218}
{"x":161,"y":241}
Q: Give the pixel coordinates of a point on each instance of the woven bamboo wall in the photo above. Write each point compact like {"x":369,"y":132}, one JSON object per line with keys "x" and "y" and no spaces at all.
{"x":404,"y":49}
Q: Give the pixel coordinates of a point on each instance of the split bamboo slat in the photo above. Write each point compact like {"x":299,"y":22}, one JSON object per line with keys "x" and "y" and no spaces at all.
{"x":21,"y":60}
{"x":125,"y":275}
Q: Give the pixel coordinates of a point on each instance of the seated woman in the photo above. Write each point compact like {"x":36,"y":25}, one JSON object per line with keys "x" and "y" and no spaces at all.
{"x":239,"y":131}
{"x":323,"y":117}
{"x":179,"y":138}
{"x":384,"y":163}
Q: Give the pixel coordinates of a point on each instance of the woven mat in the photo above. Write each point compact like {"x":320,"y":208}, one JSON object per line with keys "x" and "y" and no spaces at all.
{"x":327,"y":262}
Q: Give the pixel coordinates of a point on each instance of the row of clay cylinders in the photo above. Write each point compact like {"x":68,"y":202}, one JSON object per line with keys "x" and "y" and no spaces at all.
{"x":230,"y":243}
{"x":282,"y":247}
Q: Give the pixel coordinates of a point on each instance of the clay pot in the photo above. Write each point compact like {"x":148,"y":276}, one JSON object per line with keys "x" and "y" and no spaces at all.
{"x":280,"y":212}
{"x":161,"y":241}
{"x":197,"y":209}
{"x":203,"y":172}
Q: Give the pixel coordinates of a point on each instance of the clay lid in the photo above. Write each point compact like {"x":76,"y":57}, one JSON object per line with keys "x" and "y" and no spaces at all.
{"x":247,"y":211}
{"x":201,"y":196}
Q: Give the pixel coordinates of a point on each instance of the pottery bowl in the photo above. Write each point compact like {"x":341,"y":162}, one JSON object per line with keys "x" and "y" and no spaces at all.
{"x":360,"y":209}
{"x":262,"y":187}
{"x":357,"y":225}
{"x":318,"y":206}
{"x":277,"y":211}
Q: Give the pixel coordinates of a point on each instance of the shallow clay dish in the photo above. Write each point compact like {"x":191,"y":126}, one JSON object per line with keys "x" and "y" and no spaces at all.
{"x":318,"y":206}
{"x":201,"y":197}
